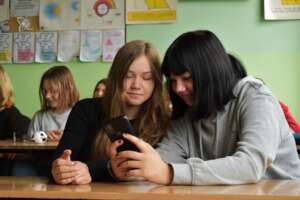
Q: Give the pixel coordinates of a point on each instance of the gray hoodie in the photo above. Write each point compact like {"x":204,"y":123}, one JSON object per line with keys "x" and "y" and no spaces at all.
{"x":250,"y":140}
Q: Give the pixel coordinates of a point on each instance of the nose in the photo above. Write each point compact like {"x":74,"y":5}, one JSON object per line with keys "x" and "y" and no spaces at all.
{"x":136,"y":83}
{"x":179,"y":87}
{"x":47,"y":95}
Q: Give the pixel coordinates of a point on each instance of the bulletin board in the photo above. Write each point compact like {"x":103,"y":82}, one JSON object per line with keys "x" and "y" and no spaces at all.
{"x":45,"y":31}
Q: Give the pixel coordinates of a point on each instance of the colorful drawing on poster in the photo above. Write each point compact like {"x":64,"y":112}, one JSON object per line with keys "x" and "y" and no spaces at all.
{"x":112,"y":41}
{"x":59,"y":15}
{"x":23,"y":47}
{"x":90,"y":48}
{"x":46,"y":47}
{"x":5,"y":47}
{"x":24,"y":24}
{"x":103,"y":14}
{"x":150,"y":11}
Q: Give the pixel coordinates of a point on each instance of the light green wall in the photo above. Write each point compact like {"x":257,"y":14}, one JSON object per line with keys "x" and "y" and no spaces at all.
{"x":269,"y":49}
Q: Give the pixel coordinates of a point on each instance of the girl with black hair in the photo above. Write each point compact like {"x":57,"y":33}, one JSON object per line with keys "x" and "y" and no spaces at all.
{"x":227,"y":128}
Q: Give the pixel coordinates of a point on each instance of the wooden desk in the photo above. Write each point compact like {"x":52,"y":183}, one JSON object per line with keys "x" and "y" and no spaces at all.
{"x":18,"y":146}
{"x":30,"y":187}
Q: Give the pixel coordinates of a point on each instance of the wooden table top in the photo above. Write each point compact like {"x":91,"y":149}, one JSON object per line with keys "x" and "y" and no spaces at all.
{"x":26,"y":145}
{"x":35,"y":187}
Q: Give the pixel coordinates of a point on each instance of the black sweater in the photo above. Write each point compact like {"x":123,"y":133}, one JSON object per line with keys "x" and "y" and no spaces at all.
{"x":11,"y":120}
{"x":84,"y":122}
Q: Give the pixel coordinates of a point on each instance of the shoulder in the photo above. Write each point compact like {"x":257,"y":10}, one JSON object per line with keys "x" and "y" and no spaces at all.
{"x":89,"y":108}
{"x":250,"y":88}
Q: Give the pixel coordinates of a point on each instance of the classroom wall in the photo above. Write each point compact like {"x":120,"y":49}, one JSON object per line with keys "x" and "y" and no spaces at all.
{"x":270,"y":50}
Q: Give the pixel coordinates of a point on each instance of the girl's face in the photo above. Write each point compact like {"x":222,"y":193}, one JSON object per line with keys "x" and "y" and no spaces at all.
{"x":51,"y":94}
{"x":138,"y":84}
{"x":182,"y":85}
{"x":100,"y":90}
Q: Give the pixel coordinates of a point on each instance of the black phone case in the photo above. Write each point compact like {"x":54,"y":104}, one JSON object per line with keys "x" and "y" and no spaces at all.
{"x":114,"y":129}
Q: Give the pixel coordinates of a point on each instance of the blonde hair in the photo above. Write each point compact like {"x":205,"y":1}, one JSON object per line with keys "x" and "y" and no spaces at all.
{"x":68,"y":92}
{"x":6,"y":89}
{"x":152,"y":119}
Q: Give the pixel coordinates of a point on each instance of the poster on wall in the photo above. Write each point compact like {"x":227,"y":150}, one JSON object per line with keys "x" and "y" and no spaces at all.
{"x":282,"y":9}
{"x":5,"y":47}
{"x":150,"y":11}
{"x":46,"y":47}
{"x":59,"y":15}
{"x":102,"y":14}
{"x":4,"y":16}
{"x":23,"y":47}
{"x":112,"y":41}
{"x":24,"y":15}
{"x":68,"y":45}
{"x":90,"y":47}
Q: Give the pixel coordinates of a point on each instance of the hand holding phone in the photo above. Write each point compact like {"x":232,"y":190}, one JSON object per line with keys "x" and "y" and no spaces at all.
{"x":115,"y":128}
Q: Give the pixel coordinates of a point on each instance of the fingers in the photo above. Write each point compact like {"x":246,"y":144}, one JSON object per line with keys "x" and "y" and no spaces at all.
{"x":113,"y":148}
{"x":131,"y":164}
{"x":66,"y":155}
{"x":140,"y":144}
{"x":83,"y":175}
{"x":129,"y":155}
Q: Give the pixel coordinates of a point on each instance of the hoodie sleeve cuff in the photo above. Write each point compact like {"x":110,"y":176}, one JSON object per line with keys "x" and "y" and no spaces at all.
{"x":182,"y":174}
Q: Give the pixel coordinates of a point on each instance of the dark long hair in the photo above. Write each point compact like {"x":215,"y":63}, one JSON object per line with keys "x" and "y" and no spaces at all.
{"x":214,"y":72}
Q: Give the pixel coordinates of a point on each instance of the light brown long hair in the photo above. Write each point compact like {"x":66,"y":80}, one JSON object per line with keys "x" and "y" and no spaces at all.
{"x":6,"y":89}
{"x":152,"y":119}
{"x":62,"y":77}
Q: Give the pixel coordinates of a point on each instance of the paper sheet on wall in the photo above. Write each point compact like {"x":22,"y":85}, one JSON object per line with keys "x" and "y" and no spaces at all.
{"x":68,"y":45}
{"x":24,"y":8}
{"x":46,"y":47}
{"x":5,"y":47}
{"x":91,"y":46}
{"x":22,"y":24}
{"x":150,"y":11}
{"x":59,"y":15}
{"x":4,"y":16}
{"x":102,"y":14}
{"x":112,"y":41}
{"x":282,"y":9}
{"x":23,"y":47}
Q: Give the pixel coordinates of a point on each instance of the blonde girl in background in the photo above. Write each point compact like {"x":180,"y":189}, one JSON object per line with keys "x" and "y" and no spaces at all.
{"x":11,"y":120}
{"x":58,"y":94}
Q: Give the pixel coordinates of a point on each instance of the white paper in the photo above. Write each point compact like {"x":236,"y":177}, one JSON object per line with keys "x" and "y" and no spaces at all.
{"x":282,"y":9}
{"x":112,"y":41}
{"x":102,"y":14}
{"x":46,"y":47}
{"x":68,"y":45}
{"x":24,"y":8}
{"x":5,"y":47}
{"x":23,"y":47}
{"x":91,"y":46}
{"x":60,"y":15}
{"x":4,"y":10}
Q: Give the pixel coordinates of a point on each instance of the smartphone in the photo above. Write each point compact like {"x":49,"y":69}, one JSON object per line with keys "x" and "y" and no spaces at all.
{"x":114,"y":128}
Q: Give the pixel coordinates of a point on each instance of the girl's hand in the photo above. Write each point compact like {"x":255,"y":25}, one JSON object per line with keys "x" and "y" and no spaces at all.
{"x":117,"y":172}
{"x":55,"y":135}
{"x":83,"y":175}
{"x":146,"y":163}
{"x":63,"y":170}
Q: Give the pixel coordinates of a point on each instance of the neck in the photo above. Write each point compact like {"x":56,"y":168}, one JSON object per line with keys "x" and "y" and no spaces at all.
{"x":59,"y":110}
{"x":132,"y":112}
